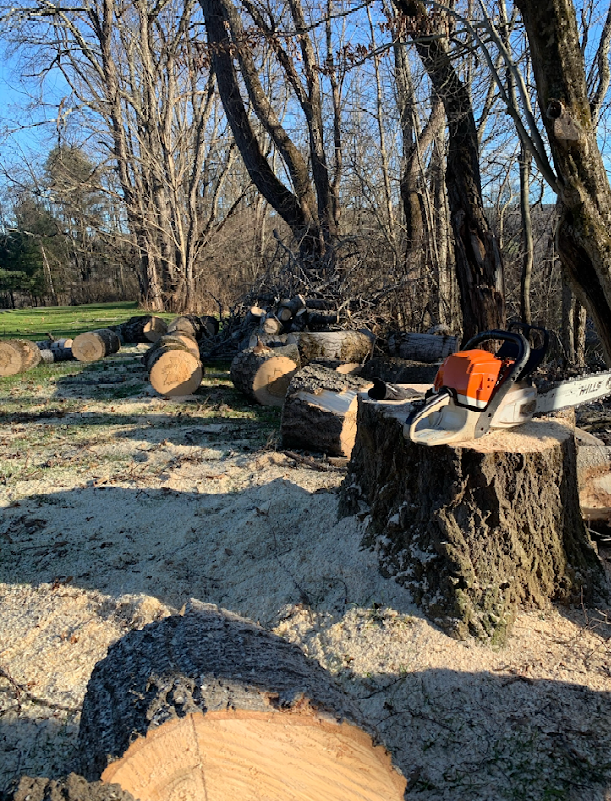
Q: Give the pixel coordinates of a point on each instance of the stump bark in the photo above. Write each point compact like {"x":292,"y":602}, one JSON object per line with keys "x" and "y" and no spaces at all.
{"x":319,"y":412}
{"x":208,"y":705}
{"x":174,"y":365}
{"x":422,"y":347}
{"x":95,"y":345}
{"x":263,"y":374}
{"x":18,"y":356}
{"x":72,"y":788}
{"x":345,"y":346}
{"x":474,"y":530}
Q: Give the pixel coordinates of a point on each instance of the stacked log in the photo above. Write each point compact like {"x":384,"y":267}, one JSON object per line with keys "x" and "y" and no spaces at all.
{"x":174,"y":365}
{"x":95,"y":345}
{"x":142,"y":328}
{"x":319,"y":412}
{"x":263,"y":374}
{"x":208,"y":705}
{"x":194,"y":326}
{"x":55,"y":350}
{"x":345,"y":346}
{"x":422,"y":347}
{"x":18,"y":356}
{"x":475,"y":529}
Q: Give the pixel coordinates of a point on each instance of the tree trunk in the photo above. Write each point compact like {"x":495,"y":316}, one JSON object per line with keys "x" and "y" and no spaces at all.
{"x":208,"y":705}
{"x":422,"y":347}
{"x":174,"y":366}
{"x":347,"y":346}
{"x":18,"y":356}
{"x":263,"y":374}
{"x":95,"y":345}
{"x":319,"y":412}
{"x":479,"y":267}
{"x":584,"y":194}
{"x":474,"y":530}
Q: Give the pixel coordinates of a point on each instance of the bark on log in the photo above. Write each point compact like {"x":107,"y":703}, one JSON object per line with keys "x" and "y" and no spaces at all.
{"x":72,"y":788}
{"x":208,"y":705}
{"x":321,"y":322}
{"x":399,"y":371}
{"x":52,"y":344}
{"x":194,"y":326}
{"x":422,"y":347}
{"x":95,"y":345}
{"x":346,"y":346}
{"x":174,"y":366}
{"x":142,"y":328}
{"x":53,"y":355}
{"x":319,"y":412}
{"x":271,"y":325}
{"x":287,"y":309}
{"x":18,"y":356}
{"x":272,"y":340}
{"x":263,"y":374}
{"x":473,"y":530}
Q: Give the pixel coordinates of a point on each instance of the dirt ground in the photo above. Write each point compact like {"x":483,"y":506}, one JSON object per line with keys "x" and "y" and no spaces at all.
{"x":117,"y":506}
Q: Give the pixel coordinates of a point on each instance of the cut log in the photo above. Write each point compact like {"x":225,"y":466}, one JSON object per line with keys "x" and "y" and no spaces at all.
{"x":206,"y":705}
{"x":263,"y":374}
{"x":319,"y":412}
{"x":72,"y":788}
{"x":474,"y":530}
{"x":174,"y":365}
{"x":271,"y":325}
{"x":95,"y":345}
{"x":272,"y":340}
{"x":53,"y":355}
{"x":287,"y":309}
{"x":52,"y":344}
{"x":194,"y":326}
{"x":321,"y":322}
{"x":18,"y":356}
{"x":399,"y":371}
{"x":422,"y":347}
{"x":142,"y":328}
{"x":345,"y":346}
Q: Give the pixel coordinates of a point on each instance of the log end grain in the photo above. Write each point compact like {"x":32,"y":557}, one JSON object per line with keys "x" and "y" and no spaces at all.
{"x":95,"y":345}
{"x":154,"y":328}
{"x":176,"y":373}
{"x":208,"y":705}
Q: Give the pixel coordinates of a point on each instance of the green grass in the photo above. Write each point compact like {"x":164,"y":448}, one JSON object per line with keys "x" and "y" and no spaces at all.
{"x":66,"y":321}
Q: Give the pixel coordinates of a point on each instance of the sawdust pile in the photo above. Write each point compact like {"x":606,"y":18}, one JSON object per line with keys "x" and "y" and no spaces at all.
{"x":117,"y":510}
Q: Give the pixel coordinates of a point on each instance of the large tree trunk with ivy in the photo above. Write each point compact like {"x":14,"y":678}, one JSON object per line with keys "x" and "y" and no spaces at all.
{"x":476,"y":529}
{"x":584,"y":228}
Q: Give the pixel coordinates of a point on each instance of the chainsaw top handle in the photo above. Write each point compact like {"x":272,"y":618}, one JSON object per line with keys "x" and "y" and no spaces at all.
{"x":515,"y":347}
{"x":537,"y":354}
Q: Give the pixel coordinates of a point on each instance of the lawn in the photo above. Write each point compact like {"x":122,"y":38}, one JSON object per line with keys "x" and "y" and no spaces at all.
{"x":66,"y":321}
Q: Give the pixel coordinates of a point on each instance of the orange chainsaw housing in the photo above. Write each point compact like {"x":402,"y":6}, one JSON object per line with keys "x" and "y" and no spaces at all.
{"x":473,"y":375}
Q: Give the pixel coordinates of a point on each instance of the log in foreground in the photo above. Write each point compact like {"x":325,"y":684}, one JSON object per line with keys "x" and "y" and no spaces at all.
{"x":319,"y":412}
{"x":18,"y":356}
{"x":263,"y":374}
{"x":206,"y":705}
{"x":95,"y":345}
{"x":474,"y":530}
{"x":174,"y":366}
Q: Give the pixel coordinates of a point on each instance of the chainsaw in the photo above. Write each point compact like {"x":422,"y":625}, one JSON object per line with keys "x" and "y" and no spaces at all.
{"x":477,"y":391}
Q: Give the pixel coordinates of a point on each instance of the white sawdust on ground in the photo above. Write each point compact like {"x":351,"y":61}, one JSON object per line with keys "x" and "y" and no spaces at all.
{"x":117,"y":512}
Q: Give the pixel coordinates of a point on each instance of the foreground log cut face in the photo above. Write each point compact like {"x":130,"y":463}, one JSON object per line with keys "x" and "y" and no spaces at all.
{"x":209,"y":706}
{"x":473,"y":530}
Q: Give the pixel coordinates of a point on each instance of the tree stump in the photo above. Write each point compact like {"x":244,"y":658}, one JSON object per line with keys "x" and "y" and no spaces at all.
{"x":208,"y":705}
{"x":95,"y":345}
{"x":346,"y":346}
{"x":174,"y":366}
{"x":18,"y":356}
{"x":319,"y":412}
{"x":422,"y":347}
{"x":72,"y":788}
{"x":476,"y":529}
{"x":263,"y":374}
